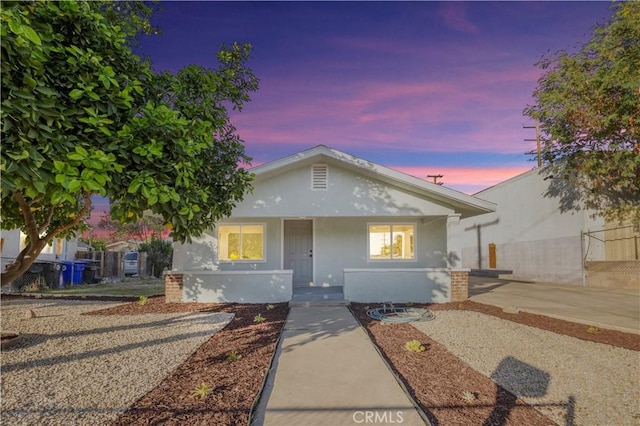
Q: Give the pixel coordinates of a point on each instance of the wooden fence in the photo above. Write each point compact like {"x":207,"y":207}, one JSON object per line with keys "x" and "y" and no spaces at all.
{"x":110,"y":264}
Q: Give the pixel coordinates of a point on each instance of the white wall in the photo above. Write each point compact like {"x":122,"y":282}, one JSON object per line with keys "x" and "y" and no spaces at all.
{"x":533,"y":238}
{"x":239,"y":287}
{"x":427,"y":285}
{"x":201,"y":255}
{"x":11,"y":249}
{"x":290,"y":195}
{"x":342,"y":243}
{"x":338,"y":243}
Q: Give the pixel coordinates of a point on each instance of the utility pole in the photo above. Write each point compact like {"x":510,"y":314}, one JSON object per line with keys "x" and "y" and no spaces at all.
{"x":435,"y":178}
{"x":537,"y":139}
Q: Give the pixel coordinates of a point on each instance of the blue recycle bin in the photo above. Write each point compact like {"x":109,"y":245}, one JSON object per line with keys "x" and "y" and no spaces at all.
{"x":72,"y":271}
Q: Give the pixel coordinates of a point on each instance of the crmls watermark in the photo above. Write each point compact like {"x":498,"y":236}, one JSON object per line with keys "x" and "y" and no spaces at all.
{"x":378,"y":417}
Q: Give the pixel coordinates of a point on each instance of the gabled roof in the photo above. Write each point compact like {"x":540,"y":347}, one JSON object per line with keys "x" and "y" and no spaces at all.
{"x":465,"y":204}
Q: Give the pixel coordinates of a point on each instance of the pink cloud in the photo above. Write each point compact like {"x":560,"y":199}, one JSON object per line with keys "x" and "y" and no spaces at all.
{"x":465,"y":179}
{"x":455,"y":17}
{"x":469,"y":110}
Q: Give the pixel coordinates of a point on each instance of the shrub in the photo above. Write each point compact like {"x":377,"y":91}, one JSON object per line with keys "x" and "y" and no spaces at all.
{"x":259,"y":318}
{"x":202,"y":391}
{"x":142,"y":300}
{"x":270,"y":307}
{"x":414,"y":346}
{"x":233,"y":356}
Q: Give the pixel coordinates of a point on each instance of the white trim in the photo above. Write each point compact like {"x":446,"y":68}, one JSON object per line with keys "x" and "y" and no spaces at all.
{"x":241,"y":224}
{"x":415,"y":242}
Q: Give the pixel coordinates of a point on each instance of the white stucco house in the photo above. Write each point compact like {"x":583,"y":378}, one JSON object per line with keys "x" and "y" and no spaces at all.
{"x":325,"y":219}
{"x":534,"y":239}
{"x":13,"y":242}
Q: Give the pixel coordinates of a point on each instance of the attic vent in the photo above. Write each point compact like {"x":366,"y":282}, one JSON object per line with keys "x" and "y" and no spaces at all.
{"x":319,"y":176}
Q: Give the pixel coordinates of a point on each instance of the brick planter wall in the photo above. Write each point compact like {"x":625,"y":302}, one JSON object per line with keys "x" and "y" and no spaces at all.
{"x":459,"y":286}
{"x":173,"y":288}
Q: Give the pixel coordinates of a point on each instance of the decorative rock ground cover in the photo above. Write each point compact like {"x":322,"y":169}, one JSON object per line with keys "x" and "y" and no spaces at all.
{"x":86,"y":362}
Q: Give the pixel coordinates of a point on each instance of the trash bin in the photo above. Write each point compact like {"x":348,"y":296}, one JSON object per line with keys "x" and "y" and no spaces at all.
{"x":90,"y":273}
{"x":78,"y":269}
{"x":67,"y":271}
{"x":51,"y":272}
{"x":72,"y":271}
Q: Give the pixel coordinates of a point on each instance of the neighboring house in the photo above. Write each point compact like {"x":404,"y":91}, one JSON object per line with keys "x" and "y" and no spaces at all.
{"x":529,"y":235}
{"x":323,"y":218}
{"x":13,"y":242}
{"x":122,"y":246}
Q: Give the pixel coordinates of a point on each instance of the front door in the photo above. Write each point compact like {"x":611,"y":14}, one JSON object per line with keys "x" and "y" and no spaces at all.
{"x":298,"y":250}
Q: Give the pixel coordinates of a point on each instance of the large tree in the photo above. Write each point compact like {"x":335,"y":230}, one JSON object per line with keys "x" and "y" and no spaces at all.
{"x":588,"y":106}
{"x":82,"y":116}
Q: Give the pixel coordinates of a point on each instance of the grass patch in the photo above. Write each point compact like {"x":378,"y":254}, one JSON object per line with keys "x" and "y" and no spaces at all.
{"x":116,"y":289}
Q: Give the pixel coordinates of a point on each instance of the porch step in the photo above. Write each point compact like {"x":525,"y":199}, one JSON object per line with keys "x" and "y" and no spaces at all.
{"x":318,"y":303}
{"x":317,"y":294}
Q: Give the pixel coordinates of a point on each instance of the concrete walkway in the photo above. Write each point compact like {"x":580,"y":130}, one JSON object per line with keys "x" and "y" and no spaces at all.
{"x":605,"y":308}
{"x":327,"y":372}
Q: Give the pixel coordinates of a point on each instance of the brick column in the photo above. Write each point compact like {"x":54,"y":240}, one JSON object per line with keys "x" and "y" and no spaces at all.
{"x":173,"y":288}
{"x":459,"y":285}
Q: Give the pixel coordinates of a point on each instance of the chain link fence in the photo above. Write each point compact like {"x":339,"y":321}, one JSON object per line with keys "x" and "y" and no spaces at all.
{"x":611,"y":257}
{"x":613,"y":243}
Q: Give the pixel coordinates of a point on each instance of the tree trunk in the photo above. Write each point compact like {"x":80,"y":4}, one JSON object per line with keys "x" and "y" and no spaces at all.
{"x":22,"y":263}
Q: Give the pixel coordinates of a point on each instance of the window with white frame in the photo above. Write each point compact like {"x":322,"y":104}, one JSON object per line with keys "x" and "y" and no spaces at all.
{"x":241,"y":242}
{"x":392,"y":241}
{"x":55,"y":247}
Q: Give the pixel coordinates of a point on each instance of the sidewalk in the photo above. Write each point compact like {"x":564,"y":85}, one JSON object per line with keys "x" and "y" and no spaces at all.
{"x":327,"y":372}
{"x":605,"y":308}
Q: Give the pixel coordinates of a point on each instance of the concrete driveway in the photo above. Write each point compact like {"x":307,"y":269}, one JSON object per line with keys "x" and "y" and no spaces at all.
{"x":605,"y":308}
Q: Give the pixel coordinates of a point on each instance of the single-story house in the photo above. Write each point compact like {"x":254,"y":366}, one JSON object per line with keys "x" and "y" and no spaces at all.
{"x":531,"y":236}
{"x":13,"y":242}
{"x":323,"y":218}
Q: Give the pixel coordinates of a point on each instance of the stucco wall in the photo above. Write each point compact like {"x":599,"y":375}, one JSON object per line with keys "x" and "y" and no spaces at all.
{"x":240,"y":287}
{"x":426,"y":285}
{"x":201,"y":253}
{"x":347,"y":195}
{"x":11,"y":249}
{"x":338,"y":243}
{"x":342,"y":243}
{"x":532,"y":236}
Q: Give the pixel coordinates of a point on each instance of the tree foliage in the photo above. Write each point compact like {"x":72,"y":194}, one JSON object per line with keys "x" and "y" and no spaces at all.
{"x":144,"y":229}
{"x":95,"y":243}
{"x":588,"y":107}
{"x":159,"y":255}
{"x":82,"y":115}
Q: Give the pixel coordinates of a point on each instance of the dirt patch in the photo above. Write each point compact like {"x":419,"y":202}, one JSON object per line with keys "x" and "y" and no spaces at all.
{"x":233,"y":384}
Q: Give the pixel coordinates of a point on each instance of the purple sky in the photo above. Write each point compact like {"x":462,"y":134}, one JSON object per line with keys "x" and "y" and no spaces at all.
{"x":422,"y":87}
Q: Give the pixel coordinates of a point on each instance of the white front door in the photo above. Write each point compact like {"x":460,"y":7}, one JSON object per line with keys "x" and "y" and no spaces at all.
{"x":298,"y":250}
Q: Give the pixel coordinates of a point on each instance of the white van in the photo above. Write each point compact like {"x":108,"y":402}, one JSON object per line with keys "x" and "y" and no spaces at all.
{"x":131,"y":263}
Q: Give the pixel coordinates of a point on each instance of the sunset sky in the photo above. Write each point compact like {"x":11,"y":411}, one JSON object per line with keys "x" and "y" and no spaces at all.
{"x":421,"y":87}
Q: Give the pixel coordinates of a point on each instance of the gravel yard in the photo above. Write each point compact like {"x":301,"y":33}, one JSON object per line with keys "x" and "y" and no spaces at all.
{"x":599,"y":383}
{"x":88,"y":369}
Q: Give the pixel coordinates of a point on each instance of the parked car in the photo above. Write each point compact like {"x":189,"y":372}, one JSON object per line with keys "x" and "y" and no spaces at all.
{"x":131,"y":260}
